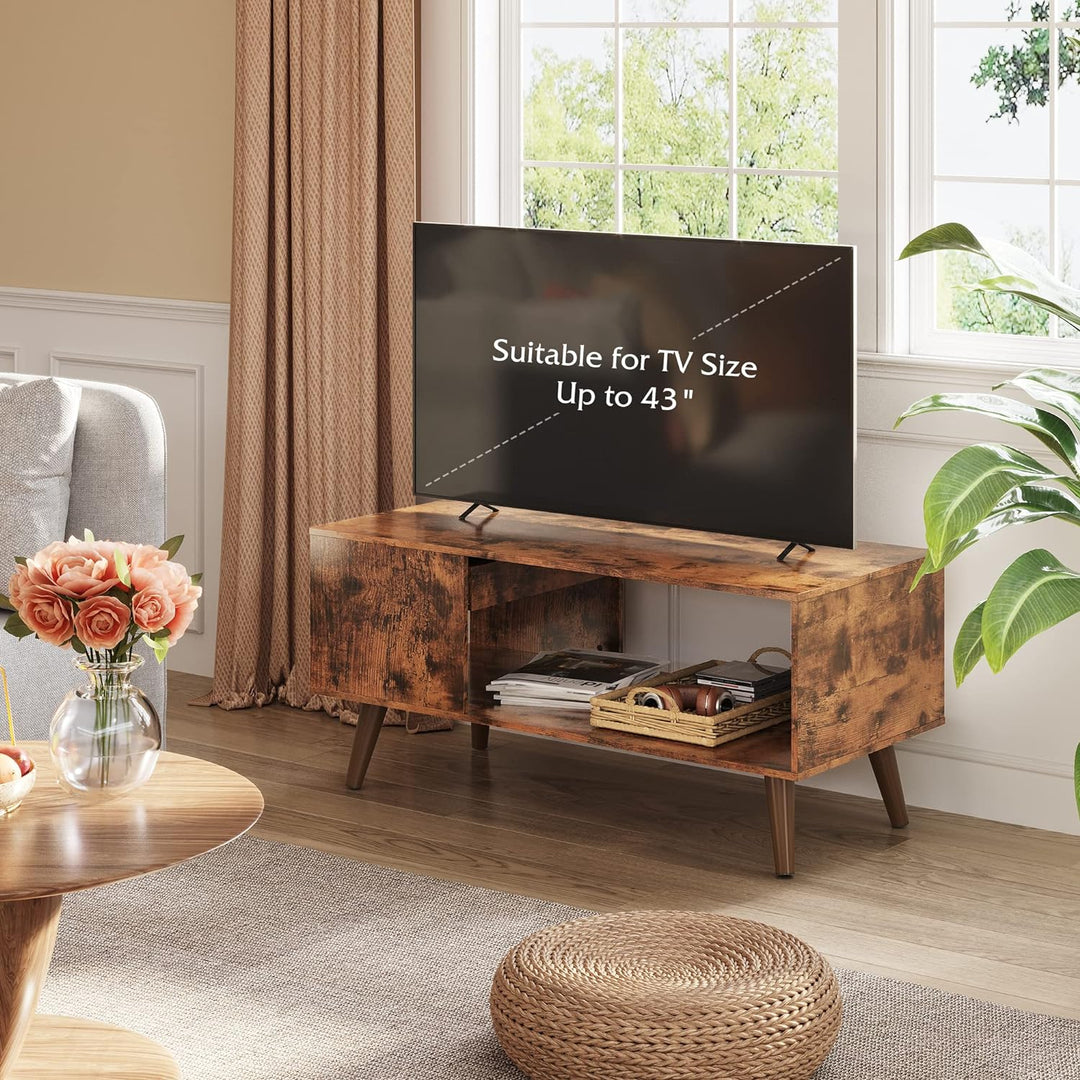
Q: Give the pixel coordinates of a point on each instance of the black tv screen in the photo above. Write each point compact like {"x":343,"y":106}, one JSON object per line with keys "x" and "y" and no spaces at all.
{"x":706,"y":384}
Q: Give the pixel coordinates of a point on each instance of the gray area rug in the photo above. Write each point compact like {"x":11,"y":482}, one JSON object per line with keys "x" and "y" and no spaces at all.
{"x":266,"y":961}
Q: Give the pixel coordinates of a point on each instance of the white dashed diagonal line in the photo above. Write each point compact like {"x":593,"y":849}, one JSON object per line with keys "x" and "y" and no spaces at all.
{"x":523,"y":431}
{"x":758,"y":303}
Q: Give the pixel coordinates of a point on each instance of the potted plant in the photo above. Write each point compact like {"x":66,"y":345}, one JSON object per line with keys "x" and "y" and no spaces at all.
{"x":987,"y":487}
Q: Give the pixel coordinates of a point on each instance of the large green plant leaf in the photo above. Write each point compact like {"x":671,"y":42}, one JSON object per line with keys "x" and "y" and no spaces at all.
{"x":1058,"y":389}
{"x":1076,"y":777}
{"x":1034,"y":593}
{"x":1018,"y":273}
{"x":1062,"y":302}
{"x":1020,"y":506}
{"x":1047,"y":427}
{"x":968,"y":650}
{"x":952,"y":236}
{"x":968,"y":487}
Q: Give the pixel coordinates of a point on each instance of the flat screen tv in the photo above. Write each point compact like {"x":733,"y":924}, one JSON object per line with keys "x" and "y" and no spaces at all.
{"x":699,"y":383}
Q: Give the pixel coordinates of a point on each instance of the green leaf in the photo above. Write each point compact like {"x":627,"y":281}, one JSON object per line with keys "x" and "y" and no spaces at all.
{"x":160,"y":647}
{"x":951,"y":236}
{"x":78,"y":646}
{"x":21,"y":560}
{"x":968,"y":487}
{"x":1018,"y":273}
{"x":5,"y":601}
{"x":16,"y":627}
{"x":1058,"y":389}
{"x":196,"y":579}
{"x":88,"y":536}
{"x":928,"y":566}
{"x":122,"y":571}
{"x":968,"y":650}
{"x":1021,"y":506}
{"x":1034,"y":593}
{"x":1047,"y":427}
{"x":172,"y":545}
{"x":1066,"y":308}
{"x":1076,"y":777}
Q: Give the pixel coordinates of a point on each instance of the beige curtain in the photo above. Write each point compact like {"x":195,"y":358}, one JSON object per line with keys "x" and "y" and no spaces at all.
{"x":319,"y":416}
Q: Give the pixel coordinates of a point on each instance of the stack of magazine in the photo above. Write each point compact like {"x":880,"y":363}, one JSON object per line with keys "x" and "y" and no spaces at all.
{"x":746,"y":681}
{"x":567,"y":679}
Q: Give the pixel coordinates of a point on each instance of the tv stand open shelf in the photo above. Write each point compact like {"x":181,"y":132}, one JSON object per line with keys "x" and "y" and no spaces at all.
{"x":417,"y":610}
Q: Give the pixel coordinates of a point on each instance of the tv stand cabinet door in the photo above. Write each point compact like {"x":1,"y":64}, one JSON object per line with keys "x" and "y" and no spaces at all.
{"x":389,"y":625}
{"x":869,"y":667}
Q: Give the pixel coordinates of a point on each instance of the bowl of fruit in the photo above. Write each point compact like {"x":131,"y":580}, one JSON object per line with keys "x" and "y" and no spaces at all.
{"x":17,"y":777}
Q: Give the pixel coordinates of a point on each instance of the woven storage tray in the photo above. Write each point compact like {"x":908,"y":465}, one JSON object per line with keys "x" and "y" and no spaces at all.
{"x":620,"y":711}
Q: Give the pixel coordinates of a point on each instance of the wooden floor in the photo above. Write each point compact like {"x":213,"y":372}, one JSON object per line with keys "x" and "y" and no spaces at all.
{"x":971,"y":906}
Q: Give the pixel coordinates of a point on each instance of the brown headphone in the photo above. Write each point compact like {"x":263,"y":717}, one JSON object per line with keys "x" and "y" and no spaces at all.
{"x":681,"y":697}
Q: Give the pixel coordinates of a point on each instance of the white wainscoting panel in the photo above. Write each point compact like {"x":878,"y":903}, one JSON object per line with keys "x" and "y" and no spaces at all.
{"x":174,"y":350}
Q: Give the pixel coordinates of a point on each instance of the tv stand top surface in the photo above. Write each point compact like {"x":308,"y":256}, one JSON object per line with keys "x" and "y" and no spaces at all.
{"x":736,"y":564}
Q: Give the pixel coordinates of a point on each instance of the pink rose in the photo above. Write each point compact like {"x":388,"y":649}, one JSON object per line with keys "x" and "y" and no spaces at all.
{"x":47,"y":614}
{"x":171,"y":576}
{"x":102,"y":621}
{"x":74,"y":568}
{"x":146,"y":556}
{"x":152,"y":608}
{"x":185,"y":612}
{"x":19,"y":582}
{"x":184,"y":595}
{"x":175,"y":581}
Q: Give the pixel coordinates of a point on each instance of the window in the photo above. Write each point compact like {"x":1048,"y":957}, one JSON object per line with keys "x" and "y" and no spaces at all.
{"x":695,"y":117}
{"x":726,"y":118}
{"x":995,"y":125}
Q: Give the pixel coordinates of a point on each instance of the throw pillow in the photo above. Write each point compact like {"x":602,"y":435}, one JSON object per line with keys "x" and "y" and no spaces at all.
{"x":37,"y":424}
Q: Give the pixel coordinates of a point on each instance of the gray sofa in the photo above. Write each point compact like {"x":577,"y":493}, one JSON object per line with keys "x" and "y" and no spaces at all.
{"x":118,"y":492}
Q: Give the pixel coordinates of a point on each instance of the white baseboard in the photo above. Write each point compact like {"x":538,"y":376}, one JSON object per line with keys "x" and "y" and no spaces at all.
{"x":965,"y":780}
{"x":974,"y":756}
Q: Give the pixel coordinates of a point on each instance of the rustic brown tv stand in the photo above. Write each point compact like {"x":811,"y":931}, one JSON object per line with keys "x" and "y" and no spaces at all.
{"x":417,"y":610}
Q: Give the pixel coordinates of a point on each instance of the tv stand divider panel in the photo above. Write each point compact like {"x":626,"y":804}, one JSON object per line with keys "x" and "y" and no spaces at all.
{"x":416,"y":610}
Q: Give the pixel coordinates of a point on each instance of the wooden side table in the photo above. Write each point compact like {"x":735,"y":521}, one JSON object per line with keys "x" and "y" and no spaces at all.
{"x":416,"y":610}
{"x":54,"y":844}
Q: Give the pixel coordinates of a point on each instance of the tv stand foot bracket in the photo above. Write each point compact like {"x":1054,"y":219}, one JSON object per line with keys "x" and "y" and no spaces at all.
{"x":790,"y":548}
{"x":476,"y":506}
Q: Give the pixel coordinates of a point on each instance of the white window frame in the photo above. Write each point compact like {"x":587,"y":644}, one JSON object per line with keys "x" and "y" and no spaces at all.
{"x":496,"y":140}
{"x":925,"y":338}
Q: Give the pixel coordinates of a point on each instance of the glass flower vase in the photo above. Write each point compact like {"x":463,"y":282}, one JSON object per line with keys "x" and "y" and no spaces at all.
{"x":105,"y":736}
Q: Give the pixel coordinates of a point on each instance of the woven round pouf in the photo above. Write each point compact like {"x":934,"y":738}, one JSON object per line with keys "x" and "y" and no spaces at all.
{"x":662,"y":995}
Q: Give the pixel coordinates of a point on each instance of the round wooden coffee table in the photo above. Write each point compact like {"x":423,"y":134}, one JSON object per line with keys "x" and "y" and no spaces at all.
{"x":54,"y":844}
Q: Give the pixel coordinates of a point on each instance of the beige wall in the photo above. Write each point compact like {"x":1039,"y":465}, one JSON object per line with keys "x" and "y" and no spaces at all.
{"x":116,"y":146}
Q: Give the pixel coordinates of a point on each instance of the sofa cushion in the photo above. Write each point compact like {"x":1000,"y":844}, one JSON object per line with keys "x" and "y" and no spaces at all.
{"x":37,"y":425}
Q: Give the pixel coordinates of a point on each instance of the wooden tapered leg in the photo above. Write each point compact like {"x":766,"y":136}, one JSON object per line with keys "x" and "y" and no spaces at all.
{"x":887,"y":774}
{"x":27,"y":936}
{"x":368,"y":726}
{"x":780,"y":795}
{"x":480,"y":736}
